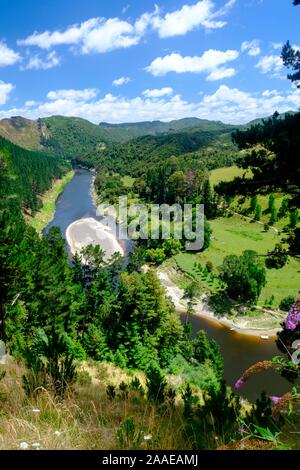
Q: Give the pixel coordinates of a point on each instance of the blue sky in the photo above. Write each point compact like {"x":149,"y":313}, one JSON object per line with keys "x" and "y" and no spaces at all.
{"x":121,"y":61}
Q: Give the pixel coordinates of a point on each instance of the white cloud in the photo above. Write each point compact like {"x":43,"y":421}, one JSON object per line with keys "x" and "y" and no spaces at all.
{"x":94,"y":35}
{"x":72,"y":35}
{"x":108,"y":35}
{"x":271,"y":93}
{"x":277,"y":45}
{"x":251,"y":47}
{"x":73,"y":95}
{"x":226,"y":104}
{"x":8,"y":56}
{"x":36,"y":62}
{"x":220,"y":73}
{"x":5,"y":90}
{"x":208,"y":62}
{"x":157,"y":93}
{"x":30,"y":103}
{"x":121,"y":81}
{"x":186,"y":19}
{"x":99,"y":35}
{"x":270,"y":64}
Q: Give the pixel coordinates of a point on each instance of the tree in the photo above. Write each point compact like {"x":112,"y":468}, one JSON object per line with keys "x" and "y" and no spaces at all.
{"x":205,"y":349}
{"x":294,"y":242}
{"x":244,"y":276}
{"x":291,"y":59}
{"x":253,"y":203}
{"x":277,"y":258}
{"x":208,"y":201}
{"x":284,"y":207}
{"x":294,"y":218}
{"x":176,"y":185}
{"x":156,"y":383}
{"x":271,"y":203}
{"x":190,"y":293}
{"x":257,"y":215}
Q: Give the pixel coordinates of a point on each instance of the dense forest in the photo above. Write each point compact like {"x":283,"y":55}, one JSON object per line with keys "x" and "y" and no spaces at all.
{"x":27,"y":175}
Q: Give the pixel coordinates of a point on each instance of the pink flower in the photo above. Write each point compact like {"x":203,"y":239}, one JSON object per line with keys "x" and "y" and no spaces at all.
{"x":275,"y":400}
{"x":293,"y":318}
{"x":239,"y":383}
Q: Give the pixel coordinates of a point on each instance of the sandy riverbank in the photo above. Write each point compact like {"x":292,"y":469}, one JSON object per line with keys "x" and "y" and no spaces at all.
{"x":89,"y":231}
{"x":202,"y":310}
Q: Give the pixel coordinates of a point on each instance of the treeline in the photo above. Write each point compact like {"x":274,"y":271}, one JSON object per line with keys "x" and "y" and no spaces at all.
{"x":25,"y":175}
{"x":272,"y":152}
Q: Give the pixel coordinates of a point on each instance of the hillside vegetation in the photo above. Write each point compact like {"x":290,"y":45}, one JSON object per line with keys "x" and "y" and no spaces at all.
{"x":26,"y":175}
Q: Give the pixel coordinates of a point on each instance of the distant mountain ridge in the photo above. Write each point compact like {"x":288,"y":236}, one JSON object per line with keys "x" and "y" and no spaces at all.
{"x":159,"y":127}
{"x":74,"y":137}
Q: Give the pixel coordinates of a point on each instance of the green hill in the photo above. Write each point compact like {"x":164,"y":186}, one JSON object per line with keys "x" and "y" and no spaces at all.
{"x":26,"y":175}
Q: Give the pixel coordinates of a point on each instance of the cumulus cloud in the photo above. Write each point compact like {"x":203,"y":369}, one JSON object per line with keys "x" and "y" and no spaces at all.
{"x":251,"y":47}
{"x":220,"y":73}
{"x":121,"y":81}
{"x":190,"y":17}
{"x":5,"y":90}
{"x":99,"y":35}
{"x":94,"y":35}
{"x":73,"y":95}
{"x":226,"y":104}
{"x":8,"y":56}
{"x":158,"y":92}
{"x":36,"y":62}
{"x":271,"y":65}
{"x":174,"y":62}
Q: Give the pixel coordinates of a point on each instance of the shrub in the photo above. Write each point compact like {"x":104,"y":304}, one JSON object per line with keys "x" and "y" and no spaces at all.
{"x":156,"y":383}
{"x":277,"y":258}
{"x":286,"y":303}
{"x":209,"y":266}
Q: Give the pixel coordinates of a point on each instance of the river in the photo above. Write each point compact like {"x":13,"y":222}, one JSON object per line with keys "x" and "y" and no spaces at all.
{"x":239,"y":351}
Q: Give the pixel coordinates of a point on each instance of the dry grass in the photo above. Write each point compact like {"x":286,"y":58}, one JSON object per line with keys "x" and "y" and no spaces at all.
{"x":86,"y":418}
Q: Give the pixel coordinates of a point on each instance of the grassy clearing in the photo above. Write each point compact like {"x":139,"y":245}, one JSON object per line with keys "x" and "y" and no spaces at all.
{"x":86,"y":418}
{"x":233,"y":235}
{"x":226,"y":174}
{"x":44,"y":216}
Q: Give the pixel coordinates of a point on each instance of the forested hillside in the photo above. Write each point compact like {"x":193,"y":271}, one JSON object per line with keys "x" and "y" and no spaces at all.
{"x":26,"y":175}
{"x":138,"y":154}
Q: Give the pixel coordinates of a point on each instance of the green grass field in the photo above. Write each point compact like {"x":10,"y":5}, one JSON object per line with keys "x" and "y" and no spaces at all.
{"x":226,"y":174}
{"x":234,"y":235}
{"x":241,"y":204}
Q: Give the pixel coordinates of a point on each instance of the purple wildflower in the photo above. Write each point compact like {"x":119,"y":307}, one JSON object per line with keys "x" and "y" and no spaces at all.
{"x":239,"y":383}
{"x":293,"y":318}
{"x":275,"y":400}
